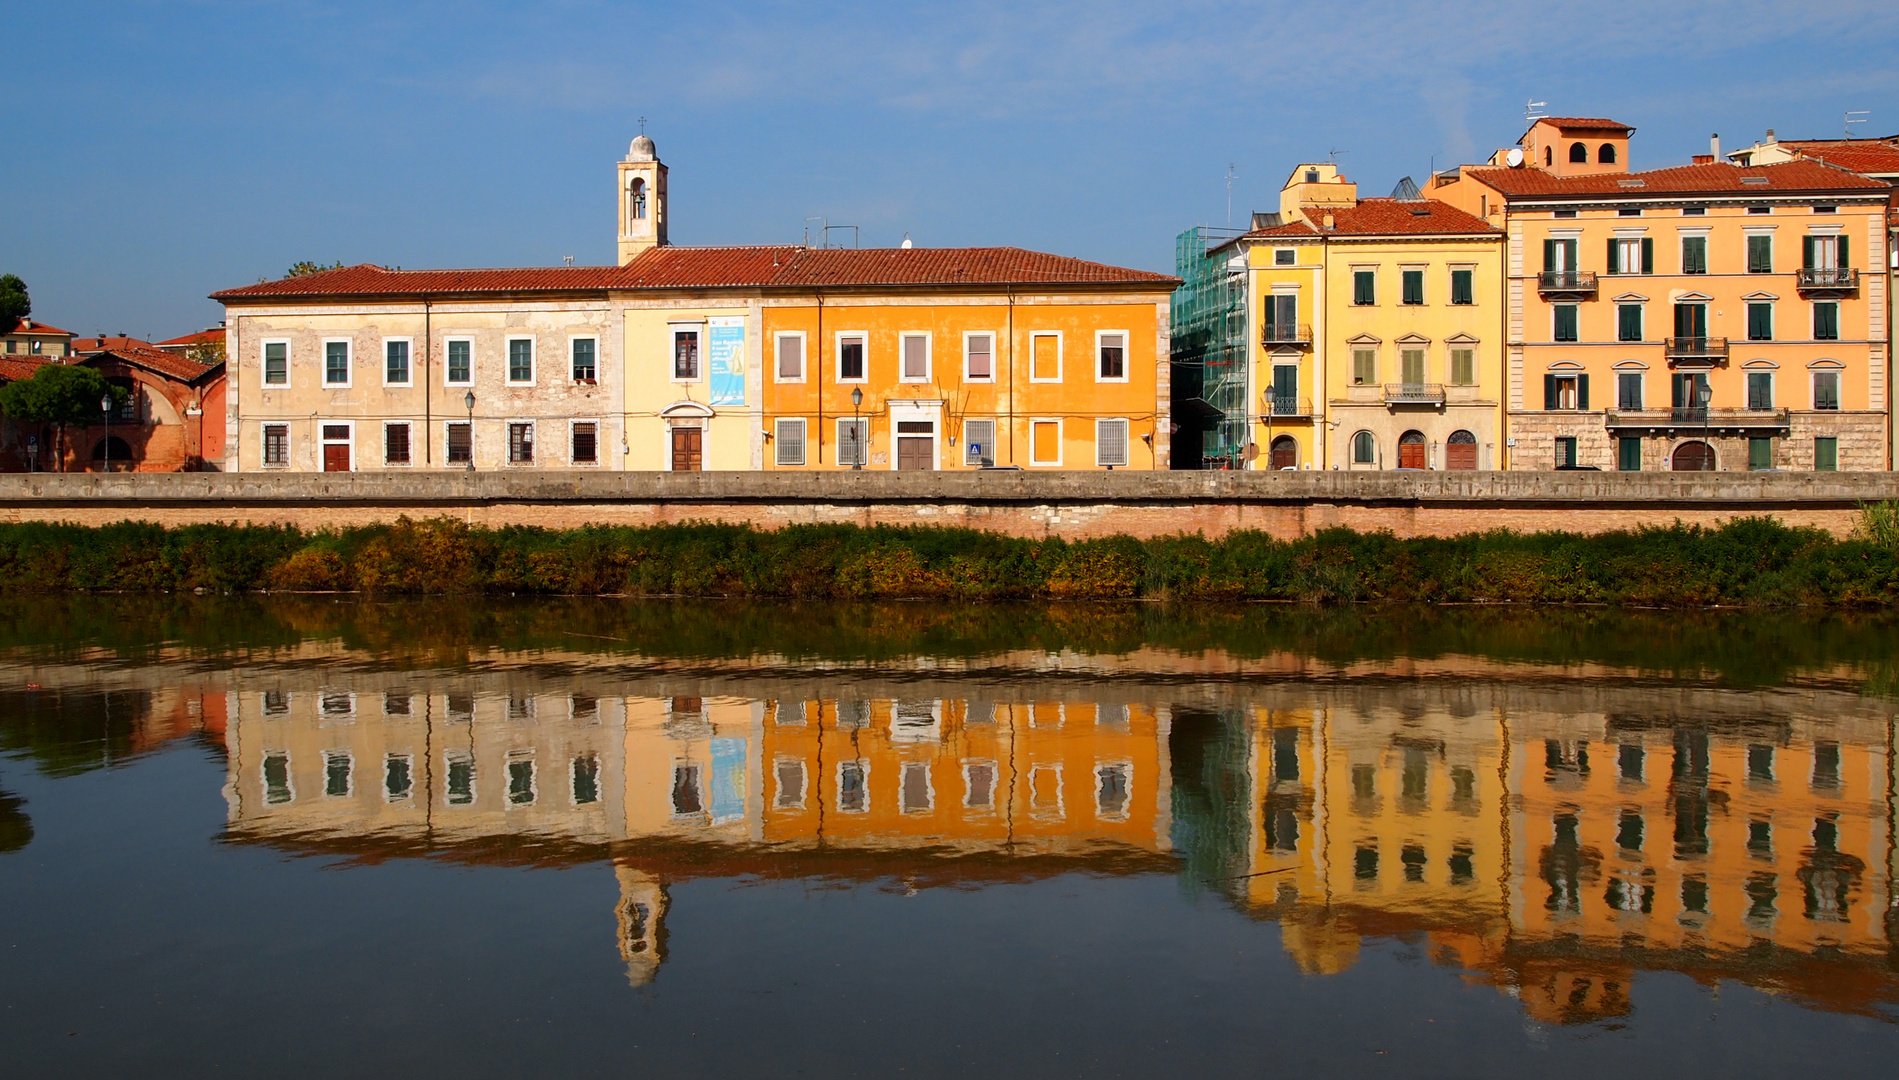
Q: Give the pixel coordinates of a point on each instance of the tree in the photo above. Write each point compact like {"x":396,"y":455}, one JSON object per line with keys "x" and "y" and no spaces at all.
{"x":307,"y":267}
{"x":205,"y":352}
{"x":14,"y":303}
{"x":58,"y":394}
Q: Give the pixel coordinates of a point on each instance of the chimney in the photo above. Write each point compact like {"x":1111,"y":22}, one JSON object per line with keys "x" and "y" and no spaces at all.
{"x":1704,"y":159}
{"x":1770,"y":135}
{"x":1331,"y":222}
{"x":1714,"y":145}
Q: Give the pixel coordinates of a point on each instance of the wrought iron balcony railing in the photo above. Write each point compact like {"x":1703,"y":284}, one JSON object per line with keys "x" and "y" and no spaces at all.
{"x":1697,"y":348}
{"x":1414,"y":393}
{"x":1286,"y":334}
{"x":1277,"y":405}
{"x":1829,"y":279}
{"x":1690,"y":417}
{"x":1566,"y":281}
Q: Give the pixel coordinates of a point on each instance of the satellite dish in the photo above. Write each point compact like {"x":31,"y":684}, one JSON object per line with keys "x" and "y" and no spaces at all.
{"x":1514,"y":158}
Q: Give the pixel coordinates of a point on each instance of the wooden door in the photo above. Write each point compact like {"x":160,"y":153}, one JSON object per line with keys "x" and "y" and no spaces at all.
{"x":688,"y":449}
{"x":1694,"y":457}
{"x":1411,"y":451}
{"x":1460,"y":451}
{"x":335,"y":457}
{"x":1285,"y":454}
{"x":913,"y":452}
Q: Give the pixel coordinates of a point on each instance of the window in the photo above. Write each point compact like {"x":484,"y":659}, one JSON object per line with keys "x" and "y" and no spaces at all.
{"x":460,"y":445}
{"x":1461,"y":290}
{"x":1826,"y":320}
{"x":914,"y":791}
{"x":586,"y":780}
{"x":397,"y":703}
{"x":1560,"y":255}
{"x":1760,"y":209}
{"x":1413,"y":286}
{"x":582,"y":352}
{"x":979,"y":442}
{"x":1364,"y":367}
{"x":1824,"y":252}
{"x":395,"y":369}
{"x":1605,"y":154}
{"x":276,"y":363}
{"x":1112,"y":348}
{"x":520,"y":781}
{"x":1566,"y":451}
{"x":1760,"y":389}
{"x":584,"y":440}
{"x":1549,"y":158}
{"x":336,"y":773}
{"x":853,"y":787}
{"x":853,"y":437}
{"x":1364,"y":287}
{"x":979,"y":785}
{"x":850,"y":358}
{"x":1760,"y":453}
{"x":1629,"y":211}
{"x":1632,"y":255}
{"x":461,"y":371}
{"x":788,"y":439}
{"x":1045,"y":442}
{"x":1111,"y":442}
{"x":1578,"y":153}
{"x":336,"y":363}
{"x":1045,"y":357}
{"x":276,"y":444}
{"x":790,"y":357}
{"x":1760,"y":321}
{"x":1312,"y":176}
{"x":520,"y":360}
{"x":1111,"y":790}
{"x":398,"y":777}
{"x":915,"y":358}
{"x":686,"y":794}
{"x":1565,"y":392}
{"x":1826,"y":389}
{"x":1826,"y":454}
{"x":277,"y":779}
{"x":1628,"y":322}
{"x":1411,"y":365}
{"x":1760,"y":254}
{"x":635,"y":202}
{"x":1694,"y":254}
{"x":1562,"y":214}
{"x":790,"y":776}
{"x":1463,"y":367}
{"x":1691,"y":320}
{"x":1284,"y":257}
{"x":395,"y":444}
{"x":685,"y":354}
{"x":460,"y":767}
{"x":979,"y":357}
{"x":1628,"y":454}
{"x":1694,"y":211}
{"x":1628,"y":391}
{"x":520,"y":444}
{"x":1564,"y":328}
{"x":1364,"y":449}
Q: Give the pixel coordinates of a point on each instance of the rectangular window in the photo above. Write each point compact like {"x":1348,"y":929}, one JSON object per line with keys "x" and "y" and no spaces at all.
{"x":1411,"y":365}
{"x":1760,"y":254}
{"x":460,"y":767}
{"x":1691,"y":320}
{"x":1461,"y":290}
{"x":586,"y":780}
{"x":276,"y":363}
{"x":915,"y":793}
{"x":1565,"y":322}
{"x":337,"y":767}
{"x":1826,"y":320}
{"x":461,"y":445}
{"x":1628,"y":322}
{"x":1826,"y":389}
{"x":336,"y":363}
{"x":1113,"y":351}
{"x":461,"y":365}
{"x":1826,"y":454}
{"x":853,"y":437}
{"x":790,"y":777}
{"x":1111,"y":442}
{"x":685,"y":355}
{"x":1364,"y":367}
{"x":520,"y":444}
{"x":853,"y":787}
{"x":1760,"y":322}
{"x":585,"y":442}
{"x":1760,"y":454}
{"x":1631,"y":255}
{"x":1565,"y":392}
{"x":1111,"y":790}
{"x":1760,"y":390}
{"x":277,"y":787}
{"x":395,"y":444}
{"x":276,"y":444}
{"x":1284,"y":257}
{"x":520,"y":360}
{"x":395,"y":371}
{"x":1824,"y":252}
{"x":979,"y":442}
{"x":1628,"y":454}
{"x":687,"y":798}
{"x":979,"y":357}
{"x":398,"y":777}
{"x":790,"y":357}
{"x":1463,"y":367}
{"x":583,"y":355}
{"x":520,"y":781}
{"x":1560,"y":255}
{"x":1413,"y":284}
{"x":788,"y":441}
{"x":1045,"y":358}
{"x":979,"y":785}
{"x":1628,"y":391}
{"x":1566,"y":451}
{"x":915,"y":359}
{"x":1045,"y":442}
{"x":1694,"y":254}
{"x":1364,"y":287}
{"x":850,"y":358}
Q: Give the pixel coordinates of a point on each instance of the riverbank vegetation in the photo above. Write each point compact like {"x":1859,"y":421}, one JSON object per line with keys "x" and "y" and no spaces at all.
{"x":1748,"y":562}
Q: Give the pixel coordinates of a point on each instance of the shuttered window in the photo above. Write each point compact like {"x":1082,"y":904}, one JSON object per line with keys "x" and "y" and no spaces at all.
{"x":1628,"y":322}
{"x":1464,"y":367}
{"x":1364,"y":367}
{"x":586,"y":442}
{"x":1111,"y":442}
{"x":1760,"y":390}
{"x":1565,"y":322}
{"x":1760,"y":453}
{"x":1628,"y":390}
{"x":1628,"y":454}
{"x":789,"y":442}
{"x":1413,"y":286}
{"x":1826,"y":453}
{"x":1461,"y":291}
{"x":1412,"y":361}
{"x":1826,"y":321}
{"x":1760,"y":322}
{"x":1694,"y":254}
{"x":979,"y":442}
{"x":1826,"y":389}
{"x":1364,"y":287}
{"x":1760,"y":254}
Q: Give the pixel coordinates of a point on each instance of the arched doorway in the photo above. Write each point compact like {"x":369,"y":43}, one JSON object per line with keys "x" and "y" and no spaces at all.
{"x":1285,"y":453}
{"x":1411,"y":450}
{"x":112,"y":452}
{"x":1460,"y":451}
{"x":1693,"y":457}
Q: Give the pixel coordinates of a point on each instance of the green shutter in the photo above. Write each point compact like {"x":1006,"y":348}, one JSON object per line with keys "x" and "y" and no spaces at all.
{"x":1549,"y":392}
{"x":1648,"y":255}
{"x":1844,"y":261}
{"x":1806,"y":252}
{"x":1582,"y":393}
{"x":1549,"y":255}
{"x":1615,"y":266}
{"x":1826,"y":453}
{"x":1678,"y":390}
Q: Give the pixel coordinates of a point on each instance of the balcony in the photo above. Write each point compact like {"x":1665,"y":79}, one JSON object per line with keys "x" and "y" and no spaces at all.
{"x":1277,"y":407}
{"x":1712,"y":350}
{"x":1286,"y":334}
{"x":1566,"y":283}
{"x":1414,"y":393}
{"x":1710,"y":420}
{"x":1828,"y":280}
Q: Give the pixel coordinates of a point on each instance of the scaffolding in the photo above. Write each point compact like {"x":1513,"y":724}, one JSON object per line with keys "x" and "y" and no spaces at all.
{"x":1209,"y":352}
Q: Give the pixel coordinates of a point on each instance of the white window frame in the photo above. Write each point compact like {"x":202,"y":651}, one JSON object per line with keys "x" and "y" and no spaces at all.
{"x":571,"y":339}
{"x":448,"y":341}
{"x":993,"y":337}
{"x":1060,"y":809}
{"x":598,"y":442}
{"x":995,"y":780}
{"x":534,"y":443}
{"x":349,"y":363}
{"x":929,"y":356}
{"x":386,"y":463}
{"x":520,"y":757}
{"x":804,"y":356}
{"x":324,"y":440}
{"x":994,"y":426}
{"x":450,"y":759}
{"x":407,"y":795}
{"x":778,"y":800}
{"x":929,"y":787}
{"x":290,"y":777}
{"x":349,"y":773}
{"x":1057,"y":421}
{"x":697,"y":328}
{"x":863,"y":766}
{"x":779,"y":426}
{"x":1127,"y":433}
{"x":263,"y":446}
{"x":1126,"y":766}
{"x":864,"y":450}
{"x":837,"y":355}
{"x":263,"y":363}
{"x":410,"y":343}
{"x":1839,"y":388}
{"x":1127,"y":358}
{"x":1060,"y":360}
{"x":507,"y":360}
{"x":573,"y":789}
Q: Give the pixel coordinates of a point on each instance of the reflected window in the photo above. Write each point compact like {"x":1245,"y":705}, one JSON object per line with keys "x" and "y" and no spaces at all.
{"x":336,"y":773}
{"x":687,"y":795}
{"x":1365,"y":862}
{"x":460,"y":767}
{"x":1412,"y":782}
{"x":1760,"y":763}
{"x":520,"y":707}
{"x":1630,"y":761}
{"x":1114,"y":717}
{"x":1826,"y":766}
{"x":1286,"y":755}
{"x":1760,"y":839}
{"x":853,"y":785}
{"x":1111,"y":790}
{"x":1282,"y":826}
{"x":395,"y":703}
{"x":461,"y":707}
{"x":1565,"y":863}
{"x":1412,"y":857}
{"x":1364,"y":782}
{"x":520,"y":781}
{"x":1628,"y":832}
{"x":338,"y":704}
{"x":979,"y":785}
{"x":1045,"y":714}
{"x":584,"y":708}
{"x":853,"y":715}
{"x":1464,"y":789}
{"x":1629,"y":896}
{"x":1694,"y":895}
{"x":276,"y":703}
{"x":277,"y":779}
{"x":915,"y":793}
{"x":398,"y":777}
{"x":790,"y":777}
{"x":1762,"y":893}
{"x":789,"y":714}
{"x":914,"y":721}
{"x":586,"y":780}
{"x":1463,"y":864}
{"x":1045,"y":790}
{"x":1565,"y":758}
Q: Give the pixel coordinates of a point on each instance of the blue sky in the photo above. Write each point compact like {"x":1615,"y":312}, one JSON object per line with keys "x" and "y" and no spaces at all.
{"x":159,"y":151}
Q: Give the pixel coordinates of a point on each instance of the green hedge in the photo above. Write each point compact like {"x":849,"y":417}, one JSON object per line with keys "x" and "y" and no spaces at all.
{"x":1755,"y":562}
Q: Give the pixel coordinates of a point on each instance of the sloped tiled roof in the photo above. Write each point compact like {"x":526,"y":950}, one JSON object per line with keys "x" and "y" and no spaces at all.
{"x":1584,"y":123}
{"x":94,"y":344}
{"x":1381,"y":217}
{"x":28,"y":326}
{"x":14,"y":367}
{"x":1871,"y":156}
{"x":1789,"y":176}
{"x":153,"y":358}
{"x":213,"y":336}
{"x":368,"y":279}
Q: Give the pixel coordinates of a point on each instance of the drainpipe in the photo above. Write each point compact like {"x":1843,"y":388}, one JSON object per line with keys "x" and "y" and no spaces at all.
{"x":808,"y":358}
{"x":428,"y":373}
{"x":1011,"y":334}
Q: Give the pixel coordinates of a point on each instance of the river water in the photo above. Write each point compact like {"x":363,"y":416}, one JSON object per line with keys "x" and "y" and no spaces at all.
{"x":290,"y":837}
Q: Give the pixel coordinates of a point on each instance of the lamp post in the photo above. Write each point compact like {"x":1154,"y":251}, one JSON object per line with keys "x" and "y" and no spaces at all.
{"x":857,"y":428}
{"x":1704,"y":393}
{"x":105,"y":406}
{"x":468,"y":399}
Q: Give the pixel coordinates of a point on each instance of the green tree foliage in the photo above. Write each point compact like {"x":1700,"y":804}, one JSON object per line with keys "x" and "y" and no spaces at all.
{"x":306,"y":267}
{"x":58,"y":394}
{"x":14,"y":303}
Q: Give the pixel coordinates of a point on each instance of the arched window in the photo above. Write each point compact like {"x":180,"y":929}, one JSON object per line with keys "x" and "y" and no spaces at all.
{"x":635,"y":202}
{"x":1549,"y":156}
{"x":113,"y":451}
{"x":1579,"y":152}
{"x":1364,"y":449}
{"x":1605,"y":155}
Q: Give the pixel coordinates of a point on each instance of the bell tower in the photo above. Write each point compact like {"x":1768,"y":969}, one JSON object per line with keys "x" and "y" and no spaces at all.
{"x":642,"y":199}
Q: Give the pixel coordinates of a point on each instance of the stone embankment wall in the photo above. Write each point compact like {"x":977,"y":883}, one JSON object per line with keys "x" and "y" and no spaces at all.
{"x":1069,"y":504}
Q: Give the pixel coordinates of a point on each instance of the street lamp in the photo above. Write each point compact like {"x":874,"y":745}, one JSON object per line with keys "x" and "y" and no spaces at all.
{"x":1704,"y":393}
{"x":468,"y":399}
{"x":105,"y":406}
{"x":857,"y":427}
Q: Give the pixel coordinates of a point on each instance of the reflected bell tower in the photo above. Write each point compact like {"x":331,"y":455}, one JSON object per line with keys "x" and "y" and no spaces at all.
{"x":642,"y":199}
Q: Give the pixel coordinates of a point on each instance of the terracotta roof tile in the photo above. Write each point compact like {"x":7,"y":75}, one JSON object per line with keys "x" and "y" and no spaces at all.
{"x":367,"y":279}
{"x":94,"y":344}
{"x":213,"y":336}
{"x":1382,"y":217}
{"x":13,"y":367}
{"x":153,"y":358}
{"x":1860,"y":155}
{"x":1790,"y":176}
{"x":28,"y":326}
{"x":1584,"y":123}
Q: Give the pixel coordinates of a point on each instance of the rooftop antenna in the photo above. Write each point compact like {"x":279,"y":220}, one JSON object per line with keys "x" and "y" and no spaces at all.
{"x":569,"y":259}
{"x":1334,"y":155}
{"x":1530,"y":115}
{"x":1849,"y":121}
{"x":1230,"y":174}
{"x":807,"y":228}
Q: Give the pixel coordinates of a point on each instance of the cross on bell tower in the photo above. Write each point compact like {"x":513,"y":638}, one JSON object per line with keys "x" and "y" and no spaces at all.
{"x":642,"y":198}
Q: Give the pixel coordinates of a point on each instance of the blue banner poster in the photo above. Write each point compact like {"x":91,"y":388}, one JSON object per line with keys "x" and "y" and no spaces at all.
{"x":728,"y":779}
{"x":725,"y":357}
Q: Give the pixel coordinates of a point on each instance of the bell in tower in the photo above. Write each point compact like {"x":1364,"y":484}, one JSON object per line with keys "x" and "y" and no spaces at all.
{"x":642,"y":199}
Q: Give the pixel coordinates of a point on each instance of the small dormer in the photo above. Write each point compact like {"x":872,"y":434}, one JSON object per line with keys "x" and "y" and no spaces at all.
{"x":1315,"y":185}
{"x":1577,"y":146}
